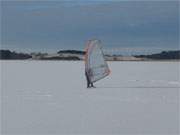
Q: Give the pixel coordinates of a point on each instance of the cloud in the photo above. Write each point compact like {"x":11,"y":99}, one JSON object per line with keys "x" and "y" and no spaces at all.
{"x":68,"y":24}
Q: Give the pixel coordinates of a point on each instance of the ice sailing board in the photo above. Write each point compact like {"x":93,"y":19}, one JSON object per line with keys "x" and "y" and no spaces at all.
{"x":95,"y":63}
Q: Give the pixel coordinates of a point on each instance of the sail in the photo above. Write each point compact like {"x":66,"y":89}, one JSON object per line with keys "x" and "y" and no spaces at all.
{"x":95,"y":62}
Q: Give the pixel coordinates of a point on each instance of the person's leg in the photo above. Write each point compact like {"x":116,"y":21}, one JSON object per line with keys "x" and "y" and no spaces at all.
{"x":87,"y":79}
{"x":87,"y":84}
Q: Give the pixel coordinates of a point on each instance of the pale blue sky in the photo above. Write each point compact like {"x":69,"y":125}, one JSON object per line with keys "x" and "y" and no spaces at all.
{"x":52,"y":25}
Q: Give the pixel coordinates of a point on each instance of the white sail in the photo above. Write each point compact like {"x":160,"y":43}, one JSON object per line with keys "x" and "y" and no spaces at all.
{"x":95,"y":62}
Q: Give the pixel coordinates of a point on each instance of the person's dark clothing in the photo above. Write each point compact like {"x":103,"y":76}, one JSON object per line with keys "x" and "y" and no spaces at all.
{"x":89,"y":83}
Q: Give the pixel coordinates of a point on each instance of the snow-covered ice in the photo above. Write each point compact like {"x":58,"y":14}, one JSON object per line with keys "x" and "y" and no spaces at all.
{"x":50,"y":97}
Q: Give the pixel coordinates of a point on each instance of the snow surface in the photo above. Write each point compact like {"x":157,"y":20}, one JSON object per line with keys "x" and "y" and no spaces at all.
{"x":50,"y":97}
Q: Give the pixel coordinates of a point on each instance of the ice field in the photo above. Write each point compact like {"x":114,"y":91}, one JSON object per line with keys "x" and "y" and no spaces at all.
{"x":50,"y":97}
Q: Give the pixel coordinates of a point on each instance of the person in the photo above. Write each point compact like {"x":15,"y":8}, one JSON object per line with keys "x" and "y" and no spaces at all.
{"x":89,"y":83}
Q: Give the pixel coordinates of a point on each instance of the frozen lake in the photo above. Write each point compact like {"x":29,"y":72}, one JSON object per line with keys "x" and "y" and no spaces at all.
{"x":50,"y":97}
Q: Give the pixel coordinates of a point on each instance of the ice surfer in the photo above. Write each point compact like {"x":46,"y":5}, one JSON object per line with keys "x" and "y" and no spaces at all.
{"x":96,"y":67}
{"x":89,"y":83}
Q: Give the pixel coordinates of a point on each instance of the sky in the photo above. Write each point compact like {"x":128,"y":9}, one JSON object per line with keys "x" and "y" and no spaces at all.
{"x":49,"y":26}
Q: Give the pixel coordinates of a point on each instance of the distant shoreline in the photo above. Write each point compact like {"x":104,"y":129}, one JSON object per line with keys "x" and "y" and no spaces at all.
{"x":76,"y":55}
{"x":83,"y":60}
